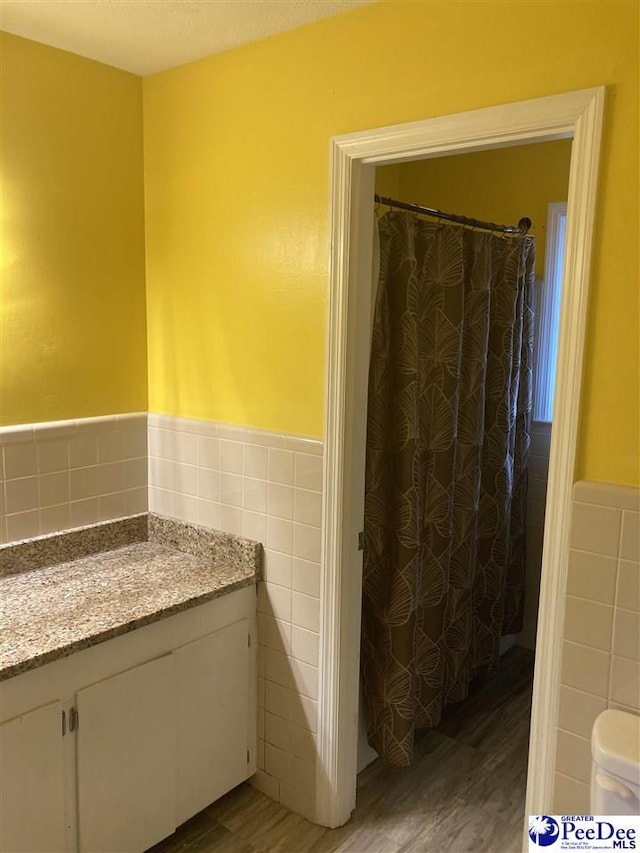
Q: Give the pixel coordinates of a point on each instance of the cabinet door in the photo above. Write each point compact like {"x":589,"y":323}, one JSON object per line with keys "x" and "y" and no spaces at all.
{"x":32,"y":782}
{"x":126,"y":759}
{"x":212,"y":686}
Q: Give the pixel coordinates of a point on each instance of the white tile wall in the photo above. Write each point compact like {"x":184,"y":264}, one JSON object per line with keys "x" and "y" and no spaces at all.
{"x":268,"y":487}
{"x":64,"y":474}
{"x":601,"y":651}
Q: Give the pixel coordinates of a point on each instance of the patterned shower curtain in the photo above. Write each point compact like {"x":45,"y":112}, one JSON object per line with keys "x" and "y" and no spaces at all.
{"x":448,"y":437}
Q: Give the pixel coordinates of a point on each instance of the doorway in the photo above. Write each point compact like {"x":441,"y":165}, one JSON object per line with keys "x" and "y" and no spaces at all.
{"x":578,"y":116}
{"x":498,"y":185}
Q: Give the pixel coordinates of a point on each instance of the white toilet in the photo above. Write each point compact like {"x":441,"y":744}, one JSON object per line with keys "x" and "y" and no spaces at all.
{"x":615,"y":765}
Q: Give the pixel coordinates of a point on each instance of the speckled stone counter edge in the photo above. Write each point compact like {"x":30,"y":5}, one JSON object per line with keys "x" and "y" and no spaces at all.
{"x":231,"y":562}
{"x":224,"y":548}
{"x":55,"y":548}
{"x":126,"y":627}
{"x":69,"y":545}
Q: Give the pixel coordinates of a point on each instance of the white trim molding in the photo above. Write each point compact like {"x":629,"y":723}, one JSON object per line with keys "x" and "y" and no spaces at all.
{"x":576,"y":115}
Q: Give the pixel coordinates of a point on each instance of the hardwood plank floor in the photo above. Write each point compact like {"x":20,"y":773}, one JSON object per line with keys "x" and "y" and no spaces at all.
{"x":465,"y":791}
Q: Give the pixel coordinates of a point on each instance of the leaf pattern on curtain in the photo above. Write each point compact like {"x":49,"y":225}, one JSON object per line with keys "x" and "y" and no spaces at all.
{"x":448,"y":431}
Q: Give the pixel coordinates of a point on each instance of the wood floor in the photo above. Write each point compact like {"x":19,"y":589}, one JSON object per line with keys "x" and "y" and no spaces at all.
{"x":465,"y":791}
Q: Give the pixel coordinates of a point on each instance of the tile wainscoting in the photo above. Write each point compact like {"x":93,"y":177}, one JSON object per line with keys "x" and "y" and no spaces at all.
{"x":64,"y":474}
{"x":267,"y":487}
{"x":601,"y":649}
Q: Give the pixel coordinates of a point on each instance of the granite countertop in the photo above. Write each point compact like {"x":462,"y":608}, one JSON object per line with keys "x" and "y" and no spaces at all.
{"x":51,"y":611}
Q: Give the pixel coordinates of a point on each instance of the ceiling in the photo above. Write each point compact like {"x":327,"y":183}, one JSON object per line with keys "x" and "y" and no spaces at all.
{"x":145,"y":36}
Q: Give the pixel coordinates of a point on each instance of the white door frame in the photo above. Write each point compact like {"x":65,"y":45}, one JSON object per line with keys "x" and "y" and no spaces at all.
{"x":576,"y":115}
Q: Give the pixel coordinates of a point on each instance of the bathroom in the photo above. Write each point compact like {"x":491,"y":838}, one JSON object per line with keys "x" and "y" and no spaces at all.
{"x":164,"y":256}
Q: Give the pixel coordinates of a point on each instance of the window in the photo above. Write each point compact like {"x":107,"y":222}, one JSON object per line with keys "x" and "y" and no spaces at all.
{"x":548,"y":299}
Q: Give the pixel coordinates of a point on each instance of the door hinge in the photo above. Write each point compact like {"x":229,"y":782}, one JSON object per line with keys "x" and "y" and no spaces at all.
{"x":73,"y":719}
{"x":249,"y":640}
{"x":361,"y":541}
{"x":64,"y":723}
{"x":248,"y":756}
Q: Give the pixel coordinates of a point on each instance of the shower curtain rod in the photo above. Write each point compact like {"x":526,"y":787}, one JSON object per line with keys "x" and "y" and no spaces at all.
{"x":520,"y":229}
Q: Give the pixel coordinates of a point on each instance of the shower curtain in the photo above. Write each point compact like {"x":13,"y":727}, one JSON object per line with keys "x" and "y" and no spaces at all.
{"x":448,"y":432}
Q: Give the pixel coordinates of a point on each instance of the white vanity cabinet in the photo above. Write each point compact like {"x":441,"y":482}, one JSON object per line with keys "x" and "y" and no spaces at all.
{"x":158,"y":723}
{"x":212,"y":717}
{"x":126,"y":759}
{"x":32,"y":803}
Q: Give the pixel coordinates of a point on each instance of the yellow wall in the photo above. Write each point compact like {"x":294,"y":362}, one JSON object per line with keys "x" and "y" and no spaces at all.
{"x":237,"y":176}
{"x":388,"y":180}
{"x":237,"y":180}
{"x":497,"y":186}
{"x":73,"y":328}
